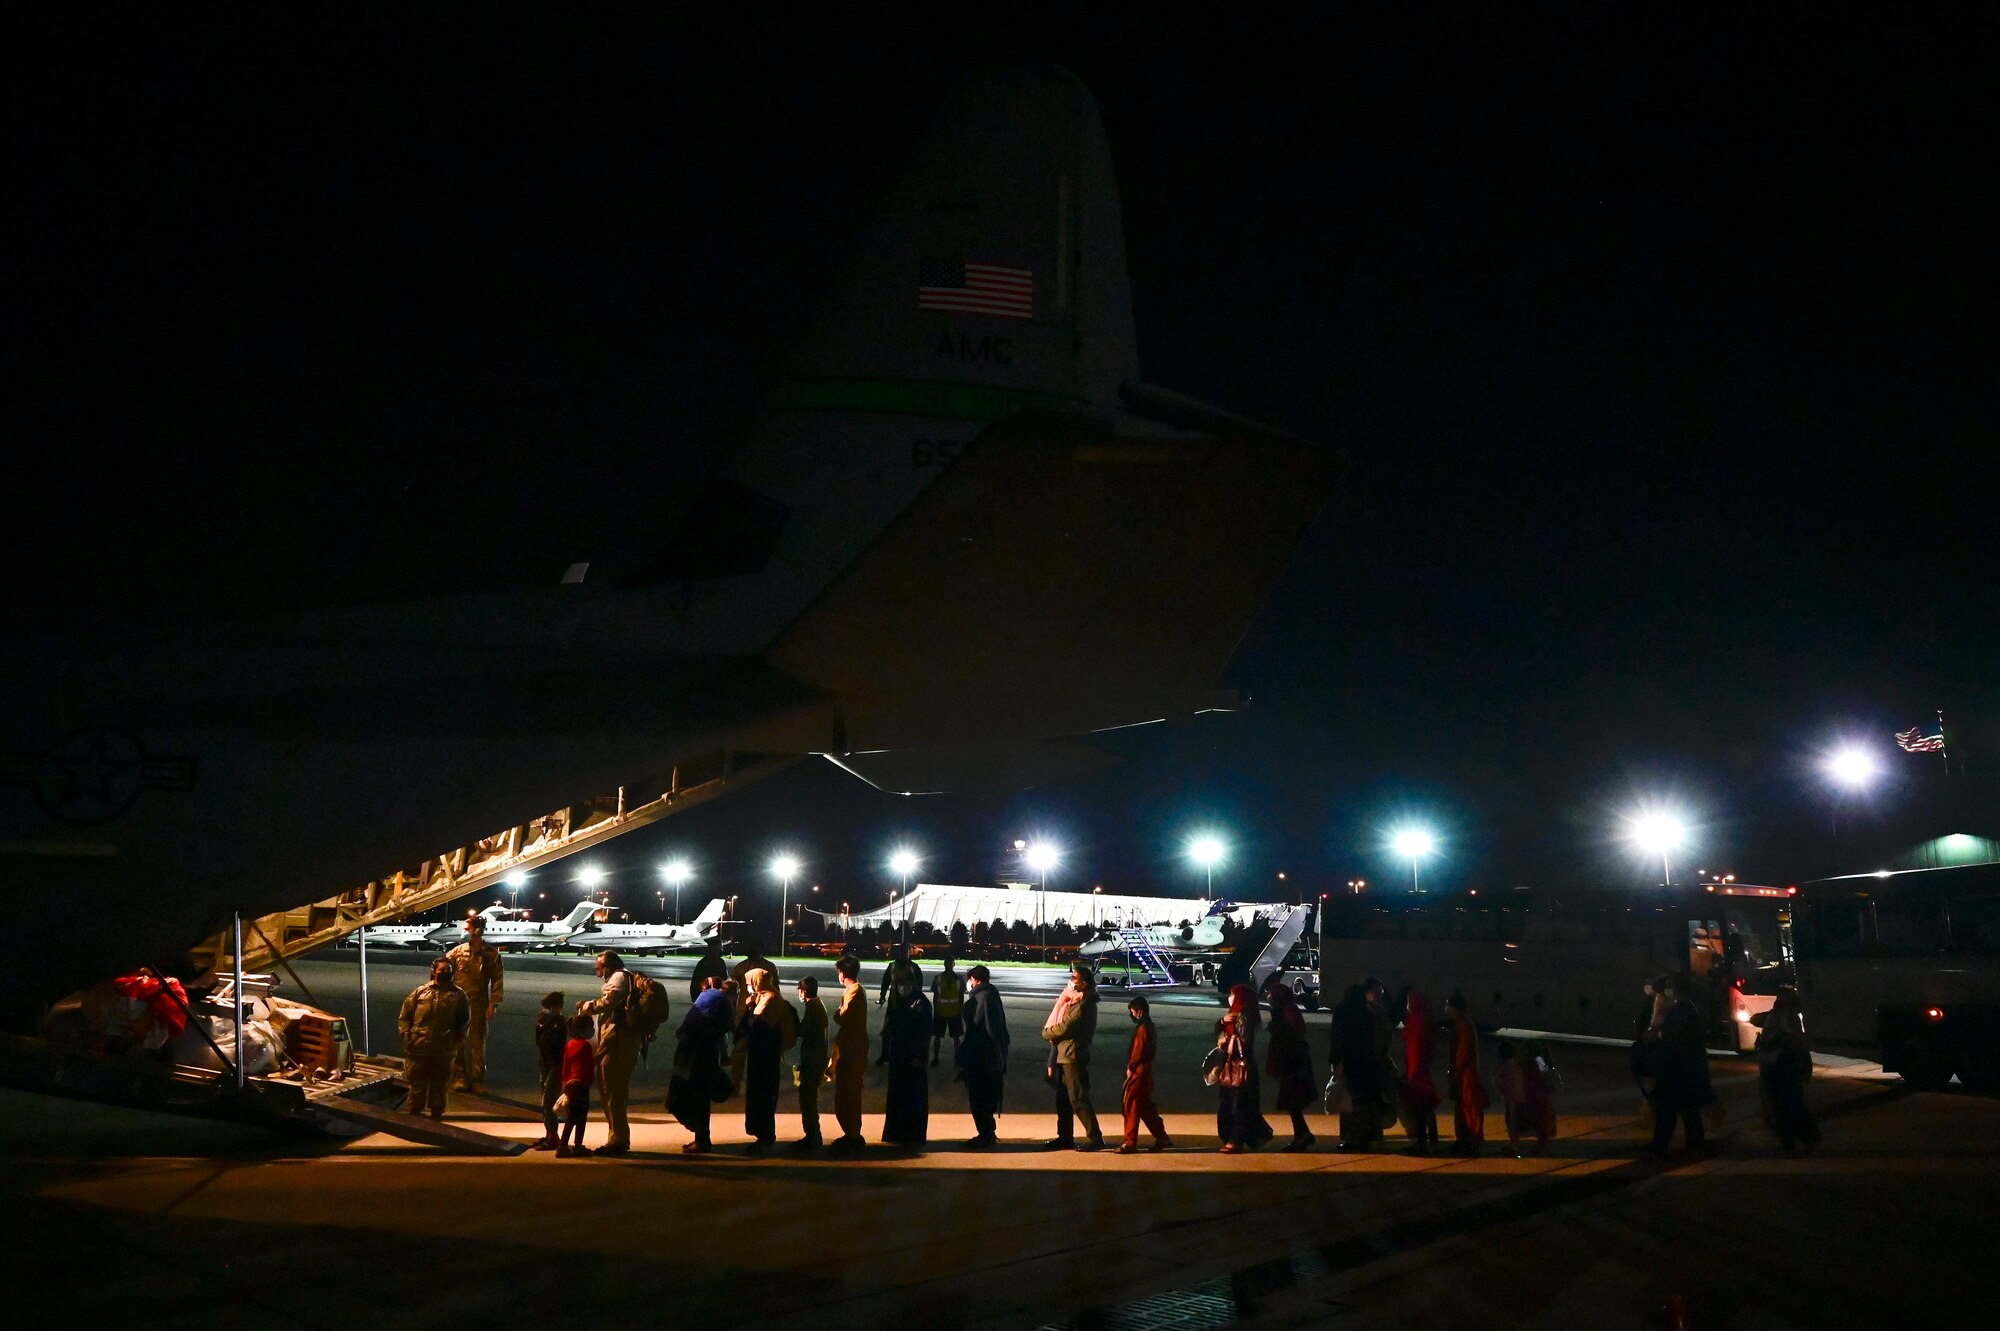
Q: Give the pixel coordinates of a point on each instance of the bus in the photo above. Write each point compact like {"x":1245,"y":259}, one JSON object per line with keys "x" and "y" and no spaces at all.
{"x":1571,"y":961}
{"x":1907,"y":965}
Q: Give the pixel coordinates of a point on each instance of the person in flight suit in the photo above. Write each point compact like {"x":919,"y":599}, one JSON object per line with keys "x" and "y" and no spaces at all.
{"x":480,"y":974}
{"x":433,"y":1023}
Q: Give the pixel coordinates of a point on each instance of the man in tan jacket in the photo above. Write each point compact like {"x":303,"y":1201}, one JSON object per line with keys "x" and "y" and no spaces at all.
{"x":617,"y":1048}
{"x":481,"y":976}
{"x":849,"y":1068}
{"x":433,"y":1023}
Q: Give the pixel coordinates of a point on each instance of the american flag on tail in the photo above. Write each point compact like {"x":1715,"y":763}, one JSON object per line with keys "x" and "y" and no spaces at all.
{"x":992,"y":289}
{"x":1922,"y":739}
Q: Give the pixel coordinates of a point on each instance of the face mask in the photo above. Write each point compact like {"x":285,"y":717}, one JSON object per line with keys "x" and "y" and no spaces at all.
{"x":1136,"y":1019}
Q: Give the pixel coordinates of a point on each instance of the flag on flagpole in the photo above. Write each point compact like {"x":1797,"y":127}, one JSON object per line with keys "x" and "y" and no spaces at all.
{"x":1922,"y":739}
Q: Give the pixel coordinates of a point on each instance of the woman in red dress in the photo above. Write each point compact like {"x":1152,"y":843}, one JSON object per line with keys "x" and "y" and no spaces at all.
{"x":1419,"y":1091}
{"x":1468,"y":1091}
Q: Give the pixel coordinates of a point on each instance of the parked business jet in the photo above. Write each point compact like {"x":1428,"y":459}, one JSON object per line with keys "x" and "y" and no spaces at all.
{"x":411,"y":935}
{"x":1204,"y":935}
{"x":512,"y":931}
{"x":650,"y":938}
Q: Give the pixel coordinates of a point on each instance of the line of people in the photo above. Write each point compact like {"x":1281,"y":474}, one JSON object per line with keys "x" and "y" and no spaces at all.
{"x":1382,"y":1059}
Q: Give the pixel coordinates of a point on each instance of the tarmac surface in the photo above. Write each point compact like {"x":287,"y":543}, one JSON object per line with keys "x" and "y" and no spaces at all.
{"x":122,"y":1215}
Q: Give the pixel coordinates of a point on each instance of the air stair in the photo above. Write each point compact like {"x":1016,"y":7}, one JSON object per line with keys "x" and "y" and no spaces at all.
{"x":276,"y":938}
{"x":1145,"y":968}
{"x":1288,"y":925}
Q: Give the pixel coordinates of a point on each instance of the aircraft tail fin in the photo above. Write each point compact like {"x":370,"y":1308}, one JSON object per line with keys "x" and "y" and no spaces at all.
{"x":1006,"y":228}
{"x":711,"y":915}
{"x":992,"y":281}
{"x":580,"y":913}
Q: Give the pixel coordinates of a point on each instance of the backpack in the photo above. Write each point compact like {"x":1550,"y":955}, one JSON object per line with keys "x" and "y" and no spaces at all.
{"x":645,"y":1007}
{"x":788,"y":1026}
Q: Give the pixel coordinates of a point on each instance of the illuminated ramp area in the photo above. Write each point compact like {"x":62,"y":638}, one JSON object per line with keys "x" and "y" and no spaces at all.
{"x":282,"y":935}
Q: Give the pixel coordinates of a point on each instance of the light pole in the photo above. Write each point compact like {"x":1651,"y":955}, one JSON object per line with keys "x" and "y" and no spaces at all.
{"x":515,"y":881}
{"x":783,"y":867}
{"x":1660,"y":834}
{"x":903,"y":863}
{"x":1413,"y":844}
{"x":676,"y":872}
{"x":1207,"y":851}
{"x":1095,"y":893}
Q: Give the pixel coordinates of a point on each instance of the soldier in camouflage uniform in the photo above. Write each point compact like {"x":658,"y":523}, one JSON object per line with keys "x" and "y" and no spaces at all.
{"x":480,"y":974}
{"x":433,"y":1024}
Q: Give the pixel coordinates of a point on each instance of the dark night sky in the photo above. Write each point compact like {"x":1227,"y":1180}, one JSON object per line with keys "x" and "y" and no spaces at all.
{"x":1661,"y":353}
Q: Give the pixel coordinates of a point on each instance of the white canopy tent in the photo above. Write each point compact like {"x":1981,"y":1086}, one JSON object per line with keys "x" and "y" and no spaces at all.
{"x":943,"y":905}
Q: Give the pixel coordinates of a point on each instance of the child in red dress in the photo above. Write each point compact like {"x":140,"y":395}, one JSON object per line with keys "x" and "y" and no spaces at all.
{"x":579,"y":1070}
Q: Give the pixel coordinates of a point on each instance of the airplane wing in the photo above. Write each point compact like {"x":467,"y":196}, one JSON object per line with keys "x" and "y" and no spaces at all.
{"x":962,"y":535}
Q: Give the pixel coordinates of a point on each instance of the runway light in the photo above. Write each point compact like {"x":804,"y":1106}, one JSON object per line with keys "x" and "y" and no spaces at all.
{"x":590,"y":877}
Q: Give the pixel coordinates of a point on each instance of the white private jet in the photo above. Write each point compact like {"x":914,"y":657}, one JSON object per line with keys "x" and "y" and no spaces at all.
{"x":653,"y":938}
{"x":509,"y":930}
{"x":1178,"y":940}
{"x":409,"y":935}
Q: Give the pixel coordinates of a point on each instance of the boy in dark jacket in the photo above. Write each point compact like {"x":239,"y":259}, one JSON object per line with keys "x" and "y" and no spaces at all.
{"x":812,"y":1060}
{"x":551,"y":1034}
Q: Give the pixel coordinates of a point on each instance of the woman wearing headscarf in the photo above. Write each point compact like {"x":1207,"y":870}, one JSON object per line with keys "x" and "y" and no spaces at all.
{"x":906,"y":1037}
{"x":698,"y":1079}
{"x":1289,"y":1063}
{"x":1239,"y":1117}
{"x":1468,"y":1090}
{"x":1353,"y":1053}
{"x":767,"y":1028}
{"x":1419,"y":1093}
{"x":1784,"y":1067}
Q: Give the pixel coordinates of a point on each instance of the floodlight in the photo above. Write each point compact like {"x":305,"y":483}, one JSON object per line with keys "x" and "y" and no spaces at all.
{"x":1851,"y":767}
{"x":1413,"y":843}
{"x":1658,"y":833}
